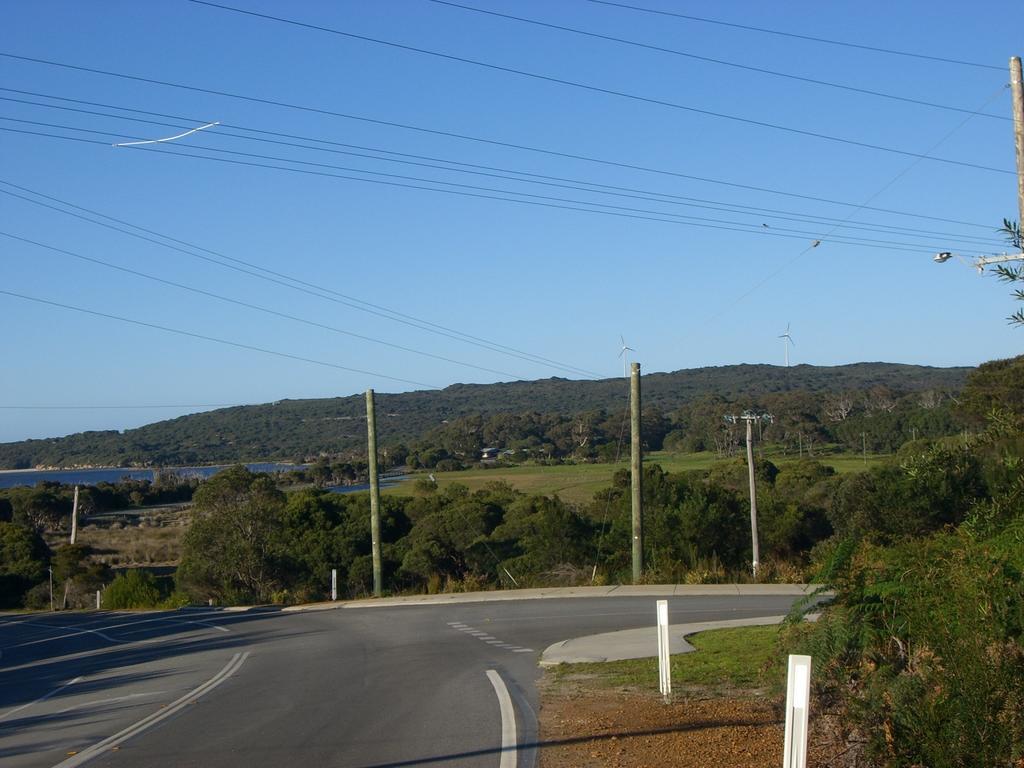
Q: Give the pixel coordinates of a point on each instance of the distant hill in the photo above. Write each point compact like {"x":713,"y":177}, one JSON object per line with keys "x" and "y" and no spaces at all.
{"x":297,"y":429}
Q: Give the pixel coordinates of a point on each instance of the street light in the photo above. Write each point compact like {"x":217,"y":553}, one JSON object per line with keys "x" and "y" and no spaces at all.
{"x":979,"y":262}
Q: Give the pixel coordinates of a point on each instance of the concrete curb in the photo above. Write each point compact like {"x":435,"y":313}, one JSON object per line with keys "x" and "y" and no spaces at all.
{"x":641,"y":643}
{"x":645,"y":590}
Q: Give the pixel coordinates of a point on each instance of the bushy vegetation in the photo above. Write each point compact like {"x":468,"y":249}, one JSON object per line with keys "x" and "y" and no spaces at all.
{"x":132,"y":589}
{"x":249,"y":541}
{"x":48,"y":504}
{"x":306,"y":429}
{"x":921,"y":651}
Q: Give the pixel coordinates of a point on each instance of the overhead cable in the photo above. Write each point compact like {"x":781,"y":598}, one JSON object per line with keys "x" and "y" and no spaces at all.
{"x":278,"y":278}
{"x":214,"y":339}
{"x":711,"y":60}
{"x":516,"y":175}
{"x":247,"y":305}
{"x":873,"y":48}
{"x":665,"y":218}
{"x":483,"y":140}
{"x":600,"y":89}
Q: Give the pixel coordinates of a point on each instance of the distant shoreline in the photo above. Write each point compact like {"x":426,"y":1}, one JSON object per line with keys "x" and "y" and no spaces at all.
{"x":146,"y":469}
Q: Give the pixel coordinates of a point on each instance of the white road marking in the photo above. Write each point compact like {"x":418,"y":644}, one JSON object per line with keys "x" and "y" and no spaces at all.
{"x":108,"y":701}
{"x":76,"y":633}
{"x":86,"y":630}
{"x":508,"y":721}
{"x":147,"y":722}
{"x":10,"y":712}
{"x":487,"y":638}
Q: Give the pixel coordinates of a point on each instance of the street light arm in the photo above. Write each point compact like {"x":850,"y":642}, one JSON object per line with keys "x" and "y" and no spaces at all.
{"x":979,"y":262}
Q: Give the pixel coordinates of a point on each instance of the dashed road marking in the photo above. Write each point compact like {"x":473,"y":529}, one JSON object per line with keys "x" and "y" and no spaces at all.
{"x":488,"y":638}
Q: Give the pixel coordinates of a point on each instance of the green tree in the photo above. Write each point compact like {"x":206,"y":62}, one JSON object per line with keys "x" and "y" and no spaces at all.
{"x":995,"y":386}
{"x":234,"y":549}
{"x":23,"y":557}
{"x":1011,"y":230}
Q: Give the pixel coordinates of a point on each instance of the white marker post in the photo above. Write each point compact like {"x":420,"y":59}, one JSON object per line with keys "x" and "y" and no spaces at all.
{"x":798,"y":695}
{"x":334,"y":584}
{"x":664,"y":673}
{"x":97,"y":599}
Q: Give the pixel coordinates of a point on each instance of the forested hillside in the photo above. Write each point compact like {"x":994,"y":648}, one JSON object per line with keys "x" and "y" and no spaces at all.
{"x":303,"y":429}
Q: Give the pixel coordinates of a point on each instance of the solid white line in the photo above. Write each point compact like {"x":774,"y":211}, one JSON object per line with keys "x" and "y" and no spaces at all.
{"x":508,"y":721}
{"x":147,"y":722}
{"x":10,"y":712}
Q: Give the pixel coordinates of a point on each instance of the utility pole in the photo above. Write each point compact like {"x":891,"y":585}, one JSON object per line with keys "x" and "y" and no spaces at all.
{"x":74,"y":517}
{"x":636,"y":474}
{"x":1017,"y":96}
{"x":371,"y":452}
{"x":750,"y":417}
{"x":753,"y":498}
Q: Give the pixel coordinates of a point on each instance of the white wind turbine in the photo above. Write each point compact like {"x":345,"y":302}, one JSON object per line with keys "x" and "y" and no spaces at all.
{"x":625,"y":357}
{"x":786,"y":341}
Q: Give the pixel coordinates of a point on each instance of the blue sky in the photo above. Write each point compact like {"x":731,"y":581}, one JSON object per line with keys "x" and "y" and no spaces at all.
{"x":555,"y":283}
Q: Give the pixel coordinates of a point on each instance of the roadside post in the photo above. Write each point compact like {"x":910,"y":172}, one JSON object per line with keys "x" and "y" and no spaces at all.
{"x":798,"y":694}
{"x":664,"y":672}
{"x":97,"y":599}
{"x":334,"y":584}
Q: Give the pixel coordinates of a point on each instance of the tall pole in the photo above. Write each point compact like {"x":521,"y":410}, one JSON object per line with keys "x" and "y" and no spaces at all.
{"x":371,"y":438}
{"x":1017,"y":95}
{"x":636,"y":474}
{"x":74,"y":517}
{"x":753,"y":495}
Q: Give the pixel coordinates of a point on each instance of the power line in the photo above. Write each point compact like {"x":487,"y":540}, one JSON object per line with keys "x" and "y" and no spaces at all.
{"x":710,"y":60}
{"x":248,"y":305}
{"x":300,"y":285}
{"x":600,"y":89}
{"x":682,"y":217}
{"x":875,"y":49}
{"x":605,"y":189}
{"x":482,"y":140}
{"x":875,"y":194}
{"x":643,"y":214}
{"x":226,"y":342}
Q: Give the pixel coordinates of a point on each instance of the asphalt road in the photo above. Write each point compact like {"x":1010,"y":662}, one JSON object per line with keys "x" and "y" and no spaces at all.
{"x":391,"y":686}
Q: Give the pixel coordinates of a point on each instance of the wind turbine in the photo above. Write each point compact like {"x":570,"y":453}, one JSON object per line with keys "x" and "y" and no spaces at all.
{"x":786,"y":341}
{"x":625,"y":357}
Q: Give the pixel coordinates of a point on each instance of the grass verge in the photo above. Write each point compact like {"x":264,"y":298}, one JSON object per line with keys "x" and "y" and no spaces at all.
{"x":726,"y":660}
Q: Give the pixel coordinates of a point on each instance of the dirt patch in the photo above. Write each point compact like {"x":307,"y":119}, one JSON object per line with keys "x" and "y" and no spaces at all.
{"x":628,"y":729}
{"x":586,"y":724}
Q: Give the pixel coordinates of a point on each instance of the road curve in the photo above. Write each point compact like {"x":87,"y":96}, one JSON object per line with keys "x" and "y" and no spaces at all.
{"x":398,"y":685}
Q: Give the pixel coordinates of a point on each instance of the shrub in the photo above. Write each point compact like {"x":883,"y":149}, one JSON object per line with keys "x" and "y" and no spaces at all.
{"x":923,"y":648}
{"x":132,"y":589}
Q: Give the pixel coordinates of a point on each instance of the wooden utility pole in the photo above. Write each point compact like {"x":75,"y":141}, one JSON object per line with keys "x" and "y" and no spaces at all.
{"x":753,"y":494}
{"x":371,"y":452}
{"x":1017,"y":95}
{"x":636,"y":473}
{"x":74,"y":517}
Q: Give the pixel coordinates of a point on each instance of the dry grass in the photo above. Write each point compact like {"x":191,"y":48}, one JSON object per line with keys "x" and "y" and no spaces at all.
{"x":150,"y":539}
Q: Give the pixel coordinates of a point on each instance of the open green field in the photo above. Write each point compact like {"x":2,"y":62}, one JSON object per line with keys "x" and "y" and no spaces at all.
{"x":577,"y":483}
